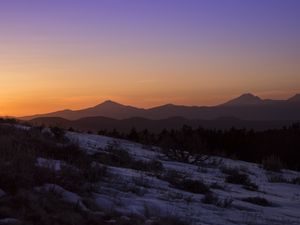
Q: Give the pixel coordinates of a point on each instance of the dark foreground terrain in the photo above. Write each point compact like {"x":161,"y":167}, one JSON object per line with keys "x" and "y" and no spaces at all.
{"x":50,"y":176}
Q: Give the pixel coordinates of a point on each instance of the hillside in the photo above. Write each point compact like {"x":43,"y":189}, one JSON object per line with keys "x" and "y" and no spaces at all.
{"x":76,"y":178}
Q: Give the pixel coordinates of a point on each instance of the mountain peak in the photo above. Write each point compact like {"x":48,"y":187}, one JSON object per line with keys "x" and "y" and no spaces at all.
{"x":245,"y":99}
{"x":295,"y":98}
{"x":109,"y":103}
{"x":249,"y":96}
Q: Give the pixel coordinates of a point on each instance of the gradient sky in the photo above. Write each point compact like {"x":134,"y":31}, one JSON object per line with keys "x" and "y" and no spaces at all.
{"x":57,"y":54}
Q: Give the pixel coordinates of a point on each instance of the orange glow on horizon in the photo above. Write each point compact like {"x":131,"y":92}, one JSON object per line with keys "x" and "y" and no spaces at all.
{"x":29,"y":106}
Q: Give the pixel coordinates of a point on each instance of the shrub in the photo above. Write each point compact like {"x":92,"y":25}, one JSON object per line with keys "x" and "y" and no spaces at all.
{"x":151,"y":166}
{"x":155,"y":166}
{"x":21,"y":172}
{"x":210,"y":198}
{"x":213,"y":199}
{"x":226,"y":203}
{"x":272,"y":163}
{"x":251,"y":186}
{"x":277,"y":179}
{"x":115,"y":155}
{"x":258,"y":201}
{"x":17,"y":174}
{"x":80,"y":180}
{"x":45,"y":208}
{"x":94,"y":173}
{"x":141,"y":181}
{"x":194,"y":186}
{"x":180,"y":181}
{"x":173,"y":176}
{"x":134,"y":188}
{"x":296,"y":180}
{"x":231,"y":170}
{"x":58,"y":132}
{"x":236,"y":177}
{"x":217,"y":186}
{"x":169,"y":220}
{"x":8,"y":120}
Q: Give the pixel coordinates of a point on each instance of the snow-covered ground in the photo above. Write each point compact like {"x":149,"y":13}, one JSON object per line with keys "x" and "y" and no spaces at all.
{"x":141,"y":193}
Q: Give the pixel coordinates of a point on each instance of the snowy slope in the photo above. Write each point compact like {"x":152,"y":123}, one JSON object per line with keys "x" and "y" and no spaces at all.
{"x":142,"y":193}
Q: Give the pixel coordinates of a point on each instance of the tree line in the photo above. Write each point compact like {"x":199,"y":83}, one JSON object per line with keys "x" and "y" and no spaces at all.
{"x":243,"y":144}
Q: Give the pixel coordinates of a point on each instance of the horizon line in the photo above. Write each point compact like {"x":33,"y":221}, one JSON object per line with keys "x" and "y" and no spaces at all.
{"x":152,"y":107}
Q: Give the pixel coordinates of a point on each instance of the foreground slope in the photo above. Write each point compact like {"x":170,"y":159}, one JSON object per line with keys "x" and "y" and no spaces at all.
{"x":159,"y":196}
{"x":111,"y":181}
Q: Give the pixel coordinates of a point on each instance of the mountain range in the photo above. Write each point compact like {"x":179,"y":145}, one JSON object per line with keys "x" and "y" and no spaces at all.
{"x":244,"y":107}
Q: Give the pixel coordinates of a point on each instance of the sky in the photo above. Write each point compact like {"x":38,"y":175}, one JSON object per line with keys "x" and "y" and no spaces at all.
{"x":58,"y":54}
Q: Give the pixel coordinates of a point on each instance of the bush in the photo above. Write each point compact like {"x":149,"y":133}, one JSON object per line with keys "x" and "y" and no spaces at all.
{"x":8,"y":120}
{"x":47,"y":208}
{"x":226,"y":203}
{"x":277,"y":179}
{"x":194,"y":186}
{"x":217,"y":186}
{"x":17,"y":174}
{"x":141,"y":181}
{"x":155,"y":166}
{"x":18,"y":169}
{"x":251,"y":186}
{"x":296,"y":180}
{"x":228,"y":170}
{"x":173,"y":176}
{"x":94,"y":173}
{"x":115,"y":155}
{"x":272,"y":163}
{"x":180,"y":181}
{"x":236,"y":177}
{"x":258,"y":201}
{"x":210,"y":198}
{"x":19,"y":150}
{"x":169,"y":220}
{"x":58,"y":133}
{"x":213,"y":199}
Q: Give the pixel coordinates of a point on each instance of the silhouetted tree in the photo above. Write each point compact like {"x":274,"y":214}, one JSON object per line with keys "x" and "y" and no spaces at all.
{"x":133,"y":135}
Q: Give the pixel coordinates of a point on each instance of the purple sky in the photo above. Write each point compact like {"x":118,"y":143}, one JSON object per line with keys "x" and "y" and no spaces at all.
{"x":147,"y":52}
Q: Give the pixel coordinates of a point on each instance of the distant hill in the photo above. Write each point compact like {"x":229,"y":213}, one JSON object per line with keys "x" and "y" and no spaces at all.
{"x":107,"y":108}
{"x":245,"y":107}
{"x":96,"y":124}
{"x":245,"y":100}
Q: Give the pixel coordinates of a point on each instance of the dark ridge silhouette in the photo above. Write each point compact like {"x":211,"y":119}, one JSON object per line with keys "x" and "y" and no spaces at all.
{"x":95,"y":124}
{"x":245,"y":99}
{"x":245,"y":107}
{"x":107,"y":108}
{"x":295,"y":98}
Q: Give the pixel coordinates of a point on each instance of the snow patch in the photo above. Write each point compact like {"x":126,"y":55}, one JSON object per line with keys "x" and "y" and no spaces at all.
{"x":50,"y":163}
